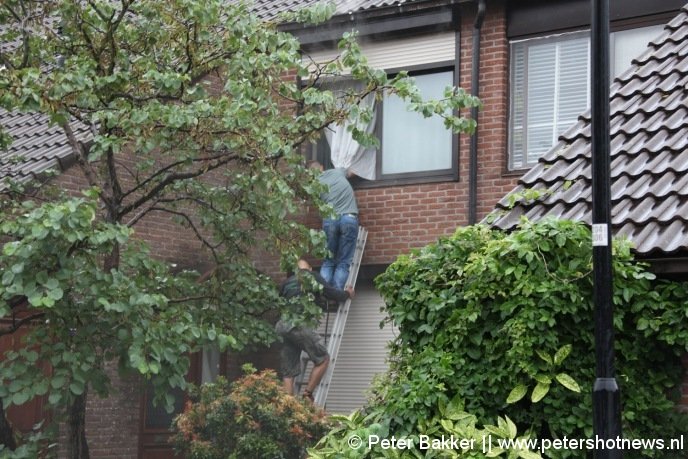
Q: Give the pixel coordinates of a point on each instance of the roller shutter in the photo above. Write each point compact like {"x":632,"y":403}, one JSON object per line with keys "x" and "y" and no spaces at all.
{"x":362,"y":353}
{"x":401,"y":53}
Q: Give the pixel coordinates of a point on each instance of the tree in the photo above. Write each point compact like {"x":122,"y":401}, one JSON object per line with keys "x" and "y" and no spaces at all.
{"x":142,"y":77}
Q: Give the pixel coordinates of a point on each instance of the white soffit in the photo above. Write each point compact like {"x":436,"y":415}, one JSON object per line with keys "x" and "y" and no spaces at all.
{"x":401,"y":53}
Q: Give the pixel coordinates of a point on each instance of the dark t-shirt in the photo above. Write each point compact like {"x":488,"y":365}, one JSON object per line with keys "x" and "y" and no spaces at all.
{"x":292,"y":287}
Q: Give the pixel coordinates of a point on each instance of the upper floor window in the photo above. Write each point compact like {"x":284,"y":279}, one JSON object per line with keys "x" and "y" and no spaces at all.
{"x":409,"y":143}
{"x":550,"y":81}
{"x":412,"y":148}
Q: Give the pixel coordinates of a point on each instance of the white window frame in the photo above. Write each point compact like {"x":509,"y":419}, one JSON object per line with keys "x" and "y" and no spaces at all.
{"x":522,"y":96}
{"x":527,"y":162}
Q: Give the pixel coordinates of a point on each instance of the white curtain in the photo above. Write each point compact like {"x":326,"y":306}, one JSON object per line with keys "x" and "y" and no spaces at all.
{"x":346,"y":152}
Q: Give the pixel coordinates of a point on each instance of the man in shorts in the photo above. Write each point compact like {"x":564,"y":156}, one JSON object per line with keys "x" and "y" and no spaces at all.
{"x":299,"y":338}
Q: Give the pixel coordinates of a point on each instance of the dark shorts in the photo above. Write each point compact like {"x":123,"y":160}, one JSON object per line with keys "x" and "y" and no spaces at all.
{"x":301,"y":339}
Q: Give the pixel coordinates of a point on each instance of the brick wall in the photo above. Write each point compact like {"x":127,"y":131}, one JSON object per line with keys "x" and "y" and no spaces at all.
{"x":112,"y":424}
{"x":399,"y":218}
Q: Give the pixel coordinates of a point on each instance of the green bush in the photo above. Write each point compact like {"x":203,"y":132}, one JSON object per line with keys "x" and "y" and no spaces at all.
{"x":360,"y":436}
{"x":488,"y":316}
{"x":251,"y":418}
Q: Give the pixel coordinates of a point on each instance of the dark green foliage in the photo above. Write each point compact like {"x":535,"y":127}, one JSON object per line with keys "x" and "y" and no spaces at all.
{"x":253,"y":417}
{"x":488,"y":316}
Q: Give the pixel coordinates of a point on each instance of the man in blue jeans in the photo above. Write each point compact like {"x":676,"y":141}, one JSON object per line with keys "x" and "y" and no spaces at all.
{"x":342,"y":229}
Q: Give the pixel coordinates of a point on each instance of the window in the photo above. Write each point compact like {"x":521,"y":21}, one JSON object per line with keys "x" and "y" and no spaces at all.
{"x":549,"y":90}
{"x":411,"y":143}
{"x":626,"y":45}
{"x":412,"y":148}
{"x":550,"y":81}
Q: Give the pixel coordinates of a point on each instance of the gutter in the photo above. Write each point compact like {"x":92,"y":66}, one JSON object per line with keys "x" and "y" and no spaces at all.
{"x":475,"y":90}
{"x":425,"y":14}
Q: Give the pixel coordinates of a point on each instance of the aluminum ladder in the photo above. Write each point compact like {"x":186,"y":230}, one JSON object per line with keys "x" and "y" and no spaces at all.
{"x":333,"y":334}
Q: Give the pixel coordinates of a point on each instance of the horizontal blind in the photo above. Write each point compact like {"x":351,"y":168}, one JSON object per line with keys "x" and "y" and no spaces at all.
{"x":549,"y":86}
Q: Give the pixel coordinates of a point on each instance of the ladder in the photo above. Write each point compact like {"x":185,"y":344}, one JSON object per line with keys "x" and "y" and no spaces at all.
{"x":333,"y":335}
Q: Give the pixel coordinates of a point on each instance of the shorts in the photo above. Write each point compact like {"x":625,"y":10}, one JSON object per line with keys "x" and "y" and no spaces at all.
{"x":301,"y":339}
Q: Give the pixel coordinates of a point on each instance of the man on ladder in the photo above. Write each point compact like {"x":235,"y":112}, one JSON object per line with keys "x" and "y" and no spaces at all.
{"x":341,"y":229}
{"x":298,"y":338}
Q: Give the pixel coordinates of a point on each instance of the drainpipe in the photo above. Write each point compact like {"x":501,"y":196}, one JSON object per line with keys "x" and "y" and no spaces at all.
{"x":475,"y":89}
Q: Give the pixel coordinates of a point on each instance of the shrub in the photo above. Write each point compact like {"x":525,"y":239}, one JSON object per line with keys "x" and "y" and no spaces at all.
{"x":253,"y":417}
{"x":488,"y":316}
{"x":356,"y":437}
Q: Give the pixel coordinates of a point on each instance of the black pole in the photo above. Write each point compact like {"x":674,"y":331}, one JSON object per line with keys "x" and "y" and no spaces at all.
{"x":606,"y":396}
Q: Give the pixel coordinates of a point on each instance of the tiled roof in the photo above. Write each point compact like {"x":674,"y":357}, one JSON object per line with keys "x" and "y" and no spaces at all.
{"x":649,"y":155}
{"x":270,"y":8}
{"x":36,"y":148}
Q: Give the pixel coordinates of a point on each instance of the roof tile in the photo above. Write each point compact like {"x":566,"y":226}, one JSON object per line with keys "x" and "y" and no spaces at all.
{"x":649,"y":149}
{"x":37,"y":146}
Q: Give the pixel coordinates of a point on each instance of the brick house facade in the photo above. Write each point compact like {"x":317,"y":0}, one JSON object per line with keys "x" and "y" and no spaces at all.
{"x":399,"y":216}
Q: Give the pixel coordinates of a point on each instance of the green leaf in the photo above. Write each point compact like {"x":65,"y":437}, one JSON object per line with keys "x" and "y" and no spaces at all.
{"x":544,"y":356}
{"x":568,"y":382}
{"x":20,"y":398}
{"x":494,"y":452}
{"x":55,"y":294}
{"x":54,"y":398}
{"x":42,"y":387}
{"x":76,"y":388}
{"x":516,"y":394}
{"x":58,"y":381}
{"x":561,"y":354}
{"x":526,"y":454}
{"x":539,"y":392}
{"x":542,"y":378}
{"x":511,"y":427}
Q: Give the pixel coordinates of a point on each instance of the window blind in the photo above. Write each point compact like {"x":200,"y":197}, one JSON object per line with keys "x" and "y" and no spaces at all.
{"x":550,"y":80}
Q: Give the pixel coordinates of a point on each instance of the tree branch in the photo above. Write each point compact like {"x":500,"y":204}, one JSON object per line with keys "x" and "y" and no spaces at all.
{"x":190,"y":298}
{"x":168,"y":168}
{"x":172,"y":178}
{"x":82,"y":160}
{"x":17,"y":324}
{"x":199,"y":236}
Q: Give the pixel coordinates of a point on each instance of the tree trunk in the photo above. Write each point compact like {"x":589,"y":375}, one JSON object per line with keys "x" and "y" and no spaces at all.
{"x":77,"y":447}
{"x":6,"y":433}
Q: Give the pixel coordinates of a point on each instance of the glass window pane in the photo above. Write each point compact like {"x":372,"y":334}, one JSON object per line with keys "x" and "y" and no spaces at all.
{"x":549,"y":90}
{"x":629,"y":44}
{"x":210,"y":364}
{"x":411,"y":143}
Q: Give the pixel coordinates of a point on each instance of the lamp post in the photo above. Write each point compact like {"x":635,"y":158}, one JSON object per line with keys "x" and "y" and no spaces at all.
{"x":606,"y":396}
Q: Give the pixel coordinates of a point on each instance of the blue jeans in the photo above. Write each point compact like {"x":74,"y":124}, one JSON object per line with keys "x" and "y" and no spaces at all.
{"x":341,"y":233}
